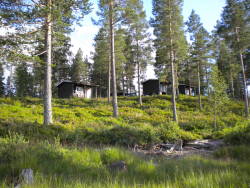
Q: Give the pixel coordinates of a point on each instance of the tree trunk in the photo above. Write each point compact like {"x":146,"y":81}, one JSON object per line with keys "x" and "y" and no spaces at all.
{"x":123,"y":84}
{"x":48,"y":71}
{"x":176,"y":77}
{"x":215,"y":117}
{"x":127,"y":85}
{"x":10,"y":88}
{"x":232,"y":84}
{"x":207,"y":81}
{"x":244,"y":77}
{"x":175,"y":118}
{"x":96,"y":93}
{"x":189,"y":82}
{"x":109,"y":76}
{"x":112,"y":55}
{"x":199,"y":85}
{"x":139,"y":83}
{"x":138,"y":75}
{"x":244,"y":86}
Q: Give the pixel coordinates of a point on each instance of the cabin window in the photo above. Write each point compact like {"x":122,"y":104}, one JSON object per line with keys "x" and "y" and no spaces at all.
{"x":79,"y":89}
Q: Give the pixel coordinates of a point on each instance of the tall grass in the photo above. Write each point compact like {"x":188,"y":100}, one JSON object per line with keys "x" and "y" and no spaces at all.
{"x":84,"y":139}
{"x":58,"y":166}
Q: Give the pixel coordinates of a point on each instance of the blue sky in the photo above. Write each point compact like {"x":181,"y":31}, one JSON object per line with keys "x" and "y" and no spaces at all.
{"x":209,"y":11}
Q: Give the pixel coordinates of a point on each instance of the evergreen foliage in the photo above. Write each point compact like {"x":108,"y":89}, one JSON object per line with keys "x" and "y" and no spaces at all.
{"x":234,"y":29}
{"x":199,"y":53}
{"x":80,"y":68}
{"x":23,"y":81}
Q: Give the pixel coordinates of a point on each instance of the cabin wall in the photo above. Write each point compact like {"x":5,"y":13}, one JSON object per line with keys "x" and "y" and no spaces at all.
{"x":88,"y":93}
{"x":79,"y":92}
{"x":151,"y":87}
{"x":83,"y":92}
{"x":65,"y":90}
{"x":182,"y":89}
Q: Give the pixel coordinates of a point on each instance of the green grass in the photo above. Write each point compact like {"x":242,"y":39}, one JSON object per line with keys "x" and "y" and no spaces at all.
{"x":58,"y":166}
{"x":84,"y":139}
{"x":91,"y":122}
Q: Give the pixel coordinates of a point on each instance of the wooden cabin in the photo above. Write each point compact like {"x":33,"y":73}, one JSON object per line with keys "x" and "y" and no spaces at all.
{"x":69,"y":89}
{"x":155,"y":87}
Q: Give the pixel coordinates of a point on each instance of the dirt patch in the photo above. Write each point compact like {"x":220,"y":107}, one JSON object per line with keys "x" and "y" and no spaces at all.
{"x":180,"y":149}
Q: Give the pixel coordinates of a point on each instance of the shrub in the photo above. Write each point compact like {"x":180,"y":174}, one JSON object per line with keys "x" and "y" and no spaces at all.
{"x":241,"y":153}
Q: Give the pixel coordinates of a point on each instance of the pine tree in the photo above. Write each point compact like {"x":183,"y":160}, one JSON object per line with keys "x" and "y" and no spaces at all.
{"x":79,"y":69}
{"x":234,"y":29}
{"x":120,"y":57}
{"x":109,"y":17}
{"x":101,"y":61}
{"x":129,"y":66}
{"x":199,"y":52}
{"x":42,"y":14}
{"x":112,"y":57}
{"x":88,"y":70}
{"x":135,"y":19}
{"x":168,"y":29}
{"x":227,"y":66}
{"x":23,"y":81}
{"x":60,"y":57}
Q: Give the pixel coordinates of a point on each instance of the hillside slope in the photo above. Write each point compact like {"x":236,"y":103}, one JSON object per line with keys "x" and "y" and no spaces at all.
{"x":76,"y":150}
{"x":90,"y":121}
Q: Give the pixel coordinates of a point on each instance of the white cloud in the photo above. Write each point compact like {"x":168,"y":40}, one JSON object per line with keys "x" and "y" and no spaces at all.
{"x":83,"y":37}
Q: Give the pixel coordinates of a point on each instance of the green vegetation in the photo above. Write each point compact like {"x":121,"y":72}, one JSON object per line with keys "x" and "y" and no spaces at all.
{"x":79,"y":121}
{"x":57,"y":166}
{"x":84,"y":139}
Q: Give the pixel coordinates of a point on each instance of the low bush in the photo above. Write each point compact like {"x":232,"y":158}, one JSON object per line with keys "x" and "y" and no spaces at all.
{"x":84,"y":121}
{"x":241,"y":153}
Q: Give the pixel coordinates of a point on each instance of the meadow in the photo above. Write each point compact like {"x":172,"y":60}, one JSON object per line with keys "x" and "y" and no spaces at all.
{"x":84,"y":139}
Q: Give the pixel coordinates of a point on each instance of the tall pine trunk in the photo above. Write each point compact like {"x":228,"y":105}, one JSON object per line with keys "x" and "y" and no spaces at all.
{"x":207,"y":80}
{"x":176,"y":77}
{"x":244,"y":85}
{"x":112,"y":55}
{"x":243,"y":76}
{"x":123,"y":84}
{"x":232,"y":84}
{"x":199,"y":85}
{"x":109,"y":77}
{"x":175,"y":118}
{"x":138,"y":75}
{"x":189,"y":81}
{"x":48,"y":71}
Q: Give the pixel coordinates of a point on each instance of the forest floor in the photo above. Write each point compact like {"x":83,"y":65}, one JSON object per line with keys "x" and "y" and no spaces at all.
{"x":177,"y":150}
{"x":87,"y":147}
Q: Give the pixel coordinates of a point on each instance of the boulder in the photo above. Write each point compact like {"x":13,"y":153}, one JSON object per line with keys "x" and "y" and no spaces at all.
{"x":118,"y":166}
{"x":26,"y":177}
{"x":205,"y":144}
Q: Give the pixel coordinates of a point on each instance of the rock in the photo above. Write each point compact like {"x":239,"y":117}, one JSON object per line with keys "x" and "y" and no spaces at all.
{"x":176,"y":147}
{"x":118,"y":166}
{"x":26,"y":177}
{"x":205,"y":144}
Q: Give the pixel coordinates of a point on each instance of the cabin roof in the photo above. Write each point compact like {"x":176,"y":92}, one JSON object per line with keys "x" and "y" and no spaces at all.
{"x":149,"y":80}
{"x":76,"y":83}
{"x":166,"y":83}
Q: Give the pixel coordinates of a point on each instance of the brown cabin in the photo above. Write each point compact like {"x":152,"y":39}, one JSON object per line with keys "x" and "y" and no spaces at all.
{"x":69,"y":89}
{"x":155,"y":87}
